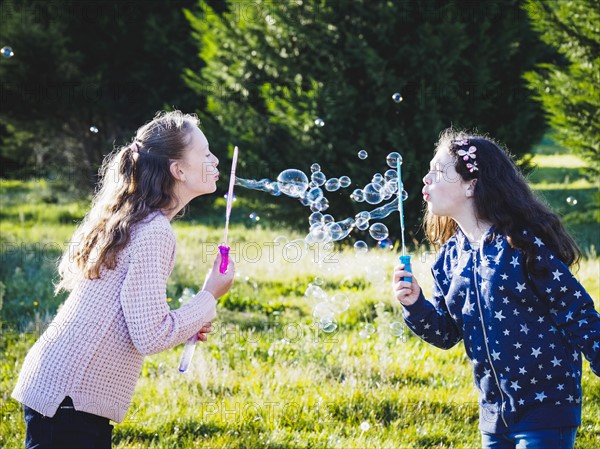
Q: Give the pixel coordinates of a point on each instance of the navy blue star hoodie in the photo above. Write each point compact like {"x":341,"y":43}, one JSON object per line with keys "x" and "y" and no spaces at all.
{"x":523,"y":334}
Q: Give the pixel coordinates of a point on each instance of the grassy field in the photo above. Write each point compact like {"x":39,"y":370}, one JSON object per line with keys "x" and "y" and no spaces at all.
{"x":269,"y":376}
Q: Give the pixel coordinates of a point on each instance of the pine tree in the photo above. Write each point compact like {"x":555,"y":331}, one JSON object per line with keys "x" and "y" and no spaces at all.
{"x":274,"y":68}
{"x":568,"y":90}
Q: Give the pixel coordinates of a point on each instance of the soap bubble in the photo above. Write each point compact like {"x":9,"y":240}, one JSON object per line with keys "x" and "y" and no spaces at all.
{"x":328,"y":325}
{"x":93,"y":129}
{"x":362,"y":154}
{"x":358,"y":195}
{"x":363,"y":334}
{"x":7,"y":52}
{"x":404,"y":195}
{"x":318,"y":234}
{"x":345,"y":181}
{"x":332,"y":184}
{"x":339,"y":302}
{"x":292,"y":182}
{"x":361,"y":247}
{"x":390,"y":174}
{"x":370,"y":329}
{"x":314,"y":195}
{"x":315,"y":168}
{"x":372,"y":193}
{"x":318,"y":178}
{"x":386,"y":243}
{"x":319,"y":122}
{"x":397,"y":98}
{"x":315,"y":218}
{"x":378,"y":231}
{"x":318,"y":281}
{"x":392,"y":159}
{"x":327,"y":218}
{"x":397,"y":329}
{"x":377,"y":178}
{"x":571,"y":201}
{"x":337,"y":232}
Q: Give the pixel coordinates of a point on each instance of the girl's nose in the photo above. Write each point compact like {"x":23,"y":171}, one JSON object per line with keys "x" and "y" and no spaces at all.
{"x":426,"y":179}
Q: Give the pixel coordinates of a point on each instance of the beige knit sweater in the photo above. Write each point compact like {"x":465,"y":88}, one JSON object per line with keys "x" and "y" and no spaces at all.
{"x":94,"y":348}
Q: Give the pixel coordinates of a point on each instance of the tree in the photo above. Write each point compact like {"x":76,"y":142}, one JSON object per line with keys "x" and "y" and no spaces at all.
{"x":568,"y":90}
{"x":84,"y":76}
{"x":273,"y":68}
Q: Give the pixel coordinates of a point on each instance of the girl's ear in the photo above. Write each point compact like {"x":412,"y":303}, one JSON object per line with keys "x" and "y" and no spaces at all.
{"x":471,"y":188}
{"x":176,"y":171}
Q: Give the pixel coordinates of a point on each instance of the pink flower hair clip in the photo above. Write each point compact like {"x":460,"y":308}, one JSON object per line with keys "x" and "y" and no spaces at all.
{"x":469,"y":155}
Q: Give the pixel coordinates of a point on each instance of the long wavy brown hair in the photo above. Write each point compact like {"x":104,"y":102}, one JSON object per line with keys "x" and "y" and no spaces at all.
{"x":502,"y":197}
{"x":134,"y":181}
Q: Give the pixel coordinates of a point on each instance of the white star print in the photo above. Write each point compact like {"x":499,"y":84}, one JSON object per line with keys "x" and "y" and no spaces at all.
{"x":504,"y":276}
{"x":521,"y":287}
{"x":557,"y":274}
{"x":515,"y":385}
{"x":495,"y":355}
{"x":538,"y":242}
{"x":514,"y":262}
{"x":577,"y":294}
{"x":540,"y":396}
{"x":556,"y":362}
{"x":499,"y":315}
{"x":522,"y":370}
{"x":536,"y":352}
{"x":524,"y":328}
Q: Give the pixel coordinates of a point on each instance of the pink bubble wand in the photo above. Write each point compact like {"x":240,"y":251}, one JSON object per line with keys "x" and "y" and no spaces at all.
{"x":190,"y":345}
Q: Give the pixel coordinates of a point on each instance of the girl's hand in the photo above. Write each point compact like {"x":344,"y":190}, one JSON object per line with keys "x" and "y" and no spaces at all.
{"x":206,"y":329}
{"x":406,"y":293}
{"x":216,"y":283}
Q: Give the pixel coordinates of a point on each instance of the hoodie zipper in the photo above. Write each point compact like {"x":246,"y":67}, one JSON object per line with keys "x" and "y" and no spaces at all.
{"x":487,"y":349}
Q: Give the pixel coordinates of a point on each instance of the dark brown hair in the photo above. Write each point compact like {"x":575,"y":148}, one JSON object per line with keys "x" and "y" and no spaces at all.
{"x":502,"y":197}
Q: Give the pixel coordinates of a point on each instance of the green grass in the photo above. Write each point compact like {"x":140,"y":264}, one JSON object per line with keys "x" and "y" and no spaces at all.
{"x":268,"y":376}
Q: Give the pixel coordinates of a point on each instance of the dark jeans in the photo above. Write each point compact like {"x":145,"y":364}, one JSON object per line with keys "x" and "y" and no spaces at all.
{"x":67,"y":429}
{"x":558,"y":438}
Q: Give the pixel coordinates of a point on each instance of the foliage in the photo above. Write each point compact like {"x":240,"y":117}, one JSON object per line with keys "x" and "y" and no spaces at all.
{"x":568,"y":90}
{"x":77,"y":65}
{"x":273,"y":69}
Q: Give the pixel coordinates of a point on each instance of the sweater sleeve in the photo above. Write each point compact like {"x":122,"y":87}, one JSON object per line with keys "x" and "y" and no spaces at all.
{"x":571,"y":307}
{"x":152,"y":326}
{"x":431,"y":320}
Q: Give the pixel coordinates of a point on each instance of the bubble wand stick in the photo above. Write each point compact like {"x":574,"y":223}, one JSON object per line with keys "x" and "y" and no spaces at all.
{"x":404,"y":258}
{"x":190,"y":345}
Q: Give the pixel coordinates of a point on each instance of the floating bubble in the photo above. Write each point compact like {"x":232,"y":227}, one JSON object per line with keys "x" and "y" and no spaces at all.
{"x":345,"y":181}
{"x":388,"y":189}
{"x":318,"y":281}
{"x":378,"y":231}
{"x":372,"y":193}
{"x":358,"y":195}
{"x":318,"y":178}
{"x":315,"y":218}
{"x":360,"y":247}
{"x":327,"y":218}
{"x":377,"y":178}
{"x":315,"y":293}
{"x":292,"y":182}
{"x":392,"y":159}
{"x":7,"y":52}
{"x":320,"y":206}
{"x":363,"y":334}
{"x":397,"y":98}
{"x":571,"y":201}
{"x":319,"y":122}
{"x":397,"y":329}
{"x":386,"y":243}
{"x":315,"y":168}
{"x":93,"y":129}
{"x":332,"y":184}
{"x":362,"y":224}
{"x":365,"y":426}
{"x":328,"y":325}
{"x":339,"y":302}
{"x":318,"y":234}
{"x":337,"y":233}
{"x":404,"y":195}
{"x":254,"y":217}
{"x":390,"y":174}
{"x":314,"y":195}
{"x":370,"y":329}
{"x":362,"y":154}
{"x":323,"y":309}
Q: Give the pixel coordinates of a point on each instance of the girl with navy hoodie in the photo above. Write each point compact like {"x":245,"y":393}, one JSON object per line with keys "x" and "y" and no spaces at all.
{"x":502,"y":285}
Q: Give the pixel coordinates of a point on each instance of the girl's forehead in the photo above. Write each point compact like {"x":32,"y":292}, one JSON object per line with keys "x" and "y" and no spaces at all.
{"x":442,"y":156}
